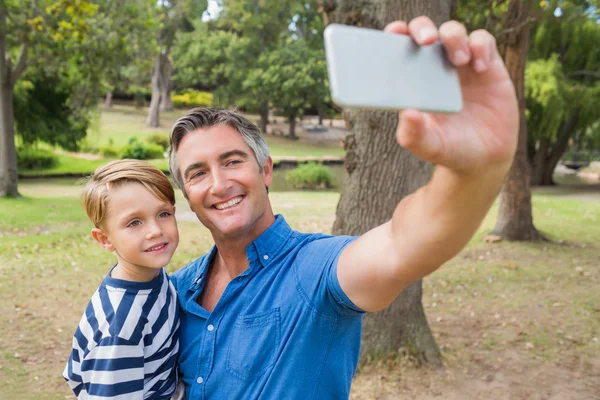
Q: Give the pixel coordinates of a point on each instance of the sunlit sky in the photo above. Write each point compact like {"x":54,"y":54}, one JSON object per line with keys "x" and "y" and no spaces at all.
{"x":212,"y":11}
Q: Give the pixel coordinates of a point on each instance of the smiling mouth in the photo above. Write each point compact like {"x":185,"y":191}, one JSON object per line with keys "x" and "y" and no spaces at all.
{"x":228,"y":204}
{"x":157,"y":247}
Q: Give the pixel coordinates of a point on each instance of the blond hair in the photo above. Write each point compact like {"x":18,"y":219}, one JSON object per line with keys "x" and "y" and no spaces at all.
{"x":95,"y":195}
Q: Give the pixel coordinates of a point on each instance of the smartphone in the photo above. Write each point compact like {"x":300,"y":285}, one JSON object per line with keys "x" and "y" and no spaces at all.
{"x":372,"y":69}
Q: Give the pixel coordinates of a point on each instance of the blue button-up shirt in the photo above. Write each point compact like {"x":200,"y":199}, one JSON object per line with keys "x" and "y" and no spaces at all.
{"x":283,"y":329}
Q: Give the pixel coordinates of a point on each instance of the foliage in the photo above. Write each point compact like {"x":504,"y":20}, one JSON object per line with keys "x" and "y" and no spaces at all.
{"x":192,"y":98}
{"x":139,"y":150}
{"x":310,"y":175}
{"x":294,"y":75}
{"x":42,"y":112}
{"x":159,"y":139}
{"x":109,"y":151}
{"x":31,"y":158}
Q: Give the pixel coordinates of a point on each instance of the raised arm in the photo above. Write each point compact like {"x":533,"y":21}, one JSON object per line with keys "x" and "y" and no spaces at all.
{"x":472,"y":151}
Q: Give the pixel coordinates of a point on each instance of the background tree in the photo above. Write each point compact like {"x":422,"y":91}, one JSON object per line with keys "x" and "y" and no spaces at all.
{"x":172,"y":16}
{"x":55,"y":34}
{"x":562,"y":82}
{"x":293,"y":75}
{"x":264,"y":23}
{"x":369,"y":196}
{"x":510,"y":23}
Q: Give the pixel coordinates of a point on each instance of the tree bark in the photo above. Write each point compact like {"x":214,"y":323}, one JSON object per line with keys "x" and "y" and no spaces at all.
{"x":515,"y":219}
{"x":108,"y":100}
{"x":292,"y":129}
{"x":8,"y":152}
{"x":370,"y":194}
{"x":264,"y":116}
{"x":153,"y":119}
{"x":549,"y":154}
{"x":166,"y":103}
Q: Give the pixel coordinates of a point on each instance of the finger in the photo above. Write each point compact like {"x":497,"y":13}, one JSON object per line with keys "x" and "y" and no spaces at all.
{"x":400,"y":27}
{"x":453,"y":36}
{"x":413,"y":134}
{"x":423,"y":30}
{"x":483,"y":47}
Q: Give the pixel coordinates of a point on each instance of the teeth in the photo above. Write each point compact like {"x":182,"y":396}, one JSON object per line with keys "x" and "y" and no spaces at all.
{"x":160,"y":246}
{"x":228,"y":204}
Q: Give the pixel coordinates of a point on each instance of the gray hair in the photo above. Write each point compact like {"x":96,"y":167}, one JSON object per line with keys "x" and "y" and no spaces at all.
{"x":205,"y":118}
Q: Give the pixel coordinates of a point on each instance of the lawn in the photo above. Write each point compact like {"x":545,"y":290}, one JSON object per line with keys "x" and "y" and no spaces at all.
{"x":514,"y":320}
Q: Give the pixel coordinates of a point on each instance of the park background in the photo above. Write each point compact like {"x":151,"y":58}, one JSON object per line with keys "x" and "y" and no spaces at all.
{"x":516,"y":315}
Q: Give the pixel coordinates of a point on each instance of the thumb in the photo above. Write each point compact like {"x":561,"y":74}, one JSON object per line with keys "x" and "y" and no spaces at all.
{"x":417,"y":133}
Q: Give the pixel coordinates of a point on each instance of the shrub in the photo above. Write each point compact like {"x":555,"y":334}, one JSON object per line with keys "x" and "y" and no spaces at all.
{"x":192,"y":98}
{"x":159,"y":139}
{"x":29,"y":158}
{"x":310,"y":176}
{"x":109,"y":152}
{"x":141,"y":151}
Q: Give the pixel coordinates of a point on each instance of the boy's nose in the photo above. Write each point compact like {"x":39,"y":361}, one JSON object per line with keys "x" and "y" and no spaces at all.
{"x":153,"y":231}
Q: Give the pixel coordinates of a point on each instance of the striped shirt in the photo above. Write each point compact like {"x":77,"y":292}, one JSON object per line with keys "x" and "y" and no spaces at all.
{"x":127,"y":342}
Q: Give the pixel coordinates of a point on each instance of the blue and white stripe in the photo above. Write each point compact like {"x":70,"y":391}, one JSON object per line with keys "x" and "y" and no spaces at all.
{"x":126,"y":344}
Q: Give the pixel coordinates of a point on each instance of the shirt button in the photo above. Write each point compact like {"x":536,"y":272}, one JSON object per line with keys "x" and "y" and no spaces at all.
{"x":266,"y":257}
{"x":210,"y":328}
{"x":200,"y":379}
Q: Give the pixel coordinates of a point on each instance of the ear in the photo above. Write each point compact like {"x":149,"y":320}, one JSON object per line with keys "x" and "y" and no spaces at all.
{"x":101,"y":237}
{"x":268,"y":171}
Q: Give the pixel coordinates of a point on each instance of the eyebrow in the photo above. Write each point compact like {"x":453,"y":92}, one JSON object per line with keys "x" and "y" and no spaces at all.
{"x":223,"y":156}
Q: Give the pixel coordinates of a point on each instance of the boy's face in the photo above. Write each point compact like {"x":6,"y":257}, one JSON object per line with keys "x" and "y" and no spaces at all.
{"x":224,"y":184}
{"x":141,"y":229}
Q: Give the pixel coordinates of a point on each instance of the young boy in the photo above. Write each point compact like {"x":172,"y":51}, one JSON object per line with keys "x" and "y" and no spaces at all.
{"x":127,"y":342}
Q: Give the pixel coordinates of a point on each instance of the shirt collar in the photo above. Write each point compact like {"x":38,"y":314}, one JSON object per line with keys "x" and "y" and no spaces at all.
{"x":264,"y":249}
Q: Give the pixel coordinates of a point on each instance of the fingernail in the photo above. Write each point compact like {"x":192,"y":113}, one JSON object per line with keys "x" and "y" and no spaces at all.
{"x":480,"y":66}
{"x":427,"y":34}
{"x":460,"y":57}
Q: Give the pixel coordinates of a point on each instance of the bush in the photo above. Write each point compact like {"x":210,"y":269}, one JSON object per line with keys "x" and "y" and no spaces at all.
{"x":192,"y":98}
{"x":28,"y":158}
{"x":159,"y":139}
{"x":310,"y":176}
{"x":141,"y":151}
{"x":109,"y":152}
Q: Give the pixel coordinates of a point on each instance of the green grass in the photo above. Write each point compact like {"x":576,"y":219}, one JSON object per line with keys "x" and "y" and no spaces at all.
{"x":50,"y":266}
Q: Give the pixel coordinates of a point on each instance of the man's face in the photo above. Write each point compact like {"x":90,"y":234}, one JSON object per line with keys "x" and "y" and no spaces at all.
{"x":223,"y":182}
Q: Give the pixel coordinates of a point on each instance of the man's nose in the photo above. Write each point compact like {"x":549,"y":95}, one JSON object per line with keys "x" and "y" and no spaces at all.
{"x":220,"y":182}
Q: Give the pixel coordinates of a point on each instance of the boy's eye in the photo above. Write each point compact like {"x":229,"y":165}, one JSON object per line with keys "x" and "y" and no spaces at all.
{"x":164,"y":214}
{"x":135,"y":223}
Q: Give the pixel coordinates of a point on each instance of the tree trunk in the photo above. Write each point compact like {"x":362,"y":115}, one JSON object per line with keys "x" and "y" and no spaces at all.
{"x":320,"y":111}
{"x":264,"y":116}
{"x":369,"y":196}
{"x":540,"y":161}
{"x":153,"y":120}
{"x":166,"y":104}
{"x":543,"y":168}
{"x":292,"y":130}
{"x":108,"y":100}
{"x":9,"y":177}
{"x":515,"y":219}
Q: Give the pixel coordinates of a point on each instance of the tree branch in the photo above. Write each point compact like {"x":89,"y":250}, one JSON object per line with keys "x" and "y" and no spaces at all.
{"x":21,"y":62}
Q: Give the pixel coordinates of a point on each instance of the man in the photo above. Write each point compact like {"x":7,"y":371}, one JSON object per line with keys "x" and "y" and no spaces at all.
{"x":276,"y":314}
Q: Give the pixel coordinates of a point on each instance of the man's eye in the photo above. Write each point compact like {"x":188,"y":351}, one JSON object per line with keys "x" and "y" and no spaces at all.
{"x":233,"y":162}
{"x":135,"y":223}
{"x":197,"y":174}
